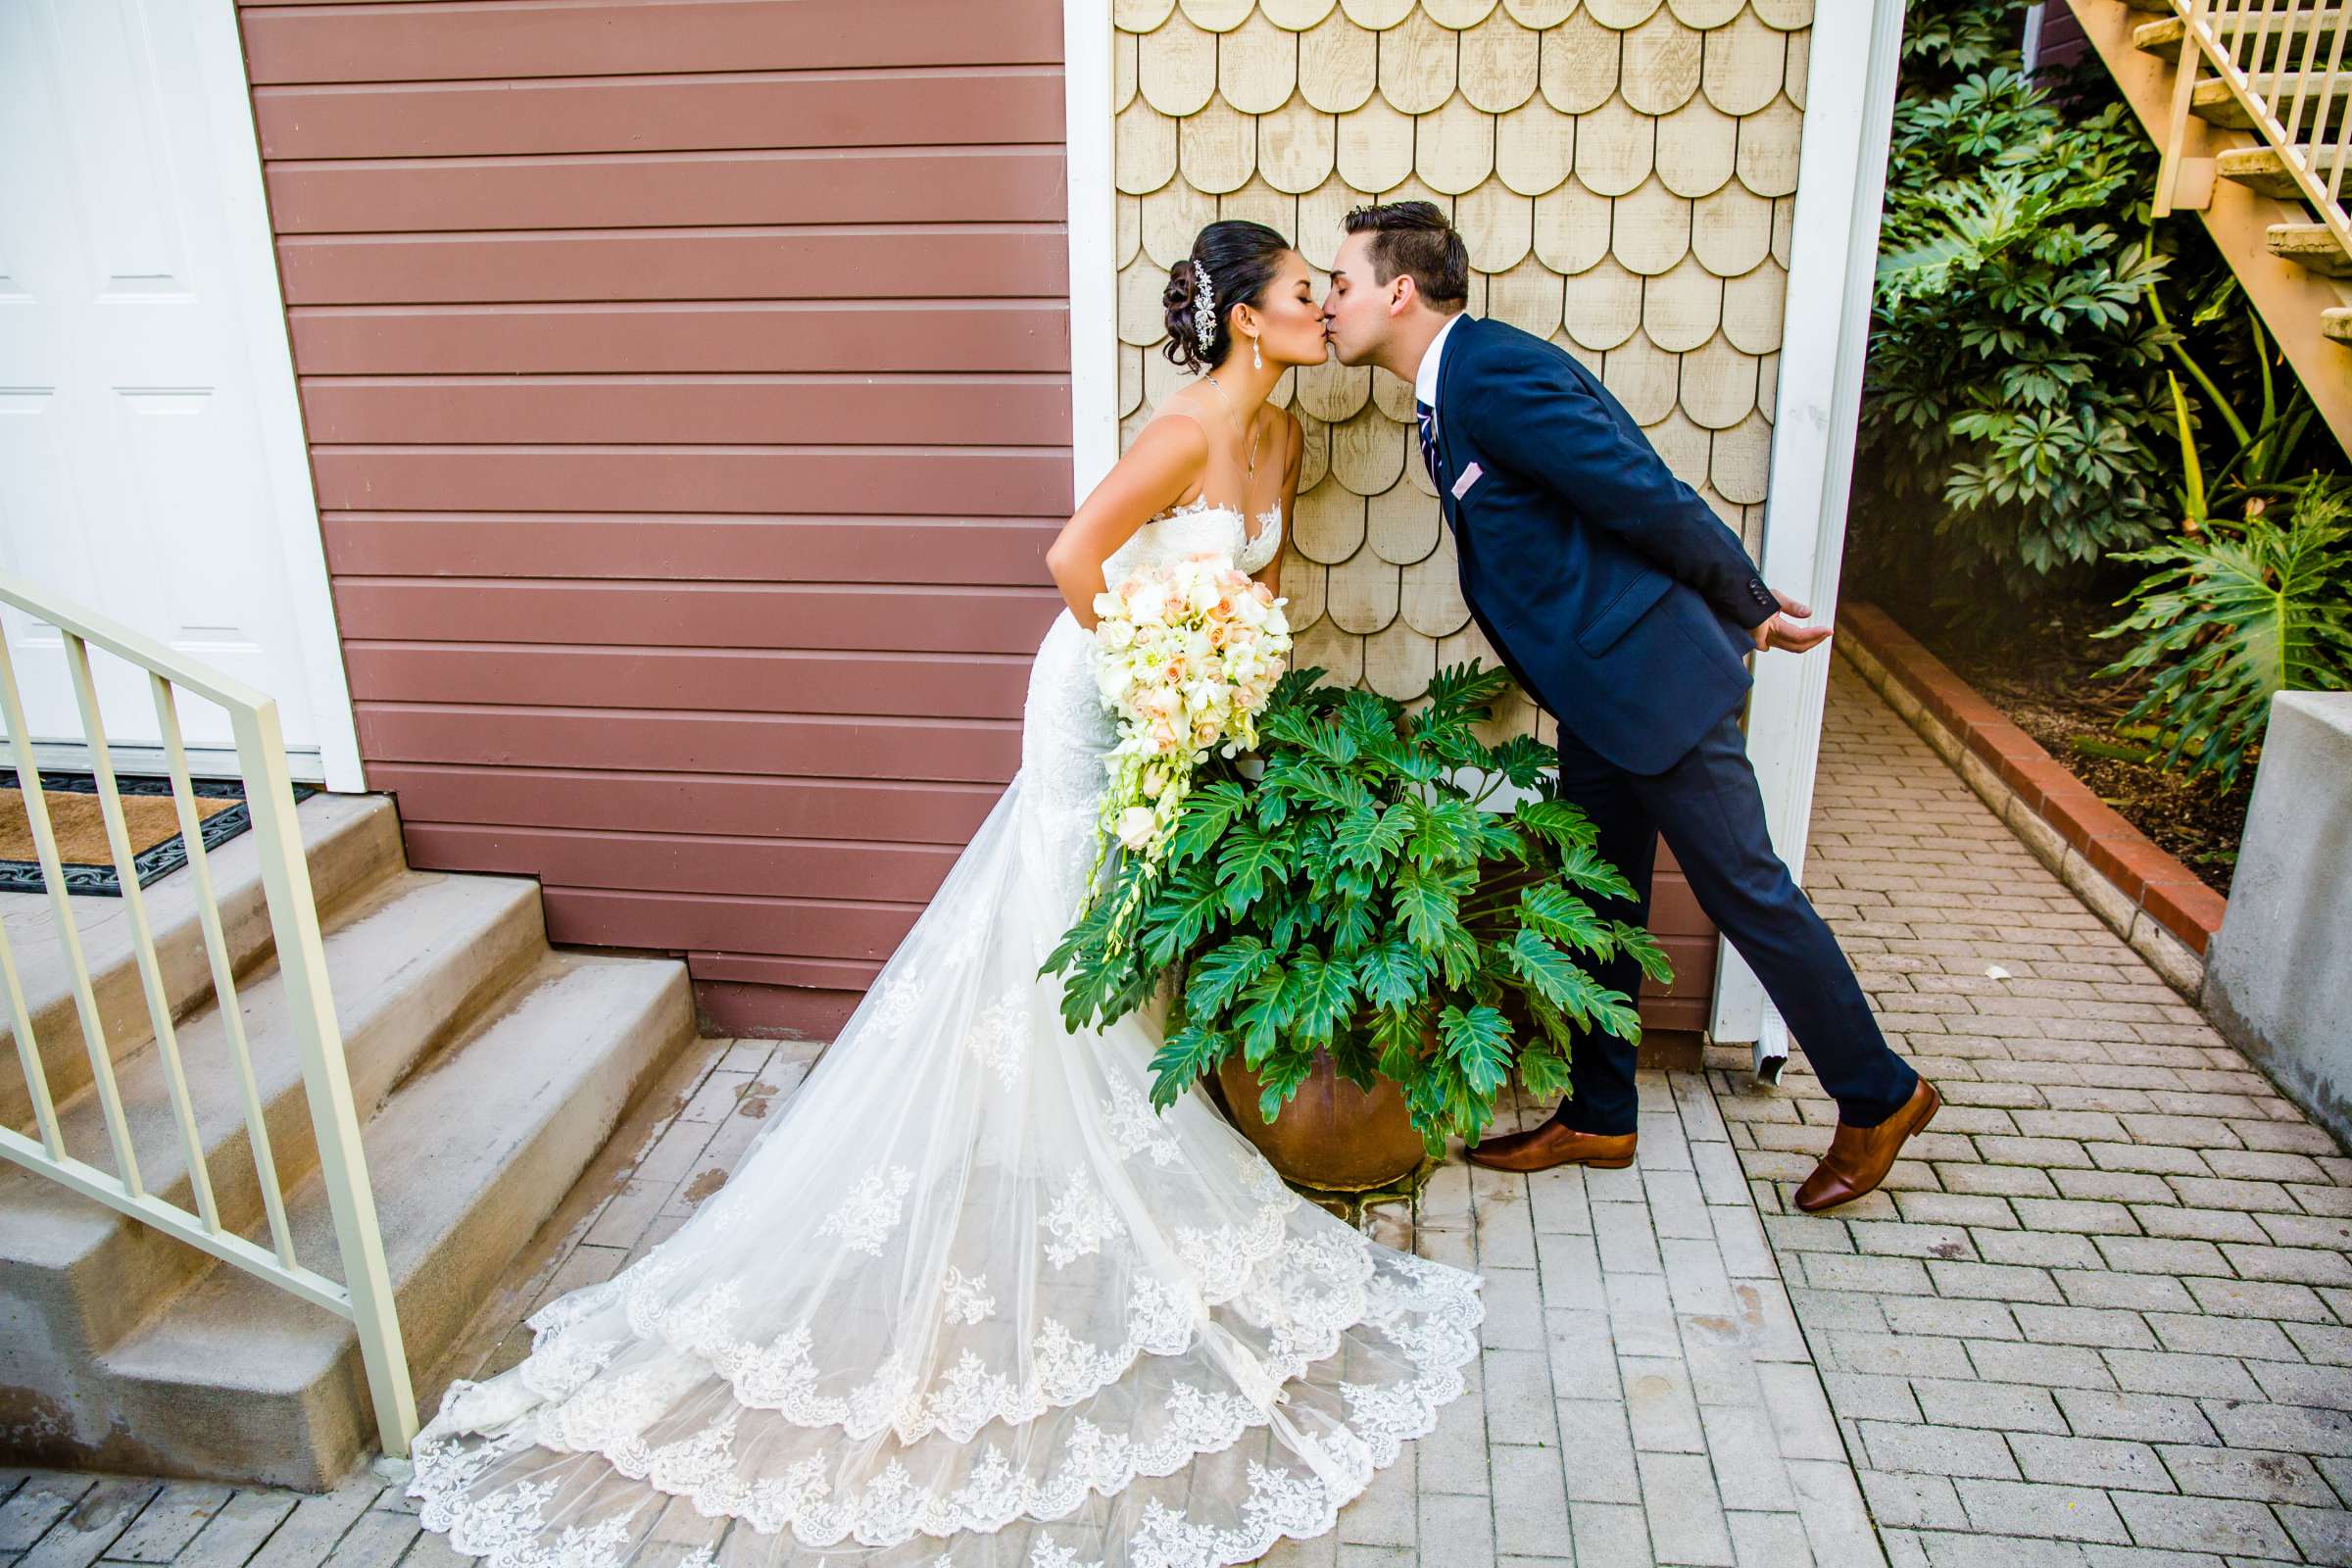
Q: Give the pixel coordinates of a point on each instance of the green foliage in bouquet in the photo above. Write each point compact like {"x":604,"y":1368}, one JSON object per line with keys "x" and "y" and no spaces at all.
{"x":1356,"y":898}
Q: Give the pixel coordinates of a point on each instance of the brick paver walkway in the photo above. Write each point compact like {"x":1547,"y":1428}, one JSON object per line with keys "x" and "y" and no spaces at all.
{"x":2101,"y":1317}
{"x":2100,"y":1321}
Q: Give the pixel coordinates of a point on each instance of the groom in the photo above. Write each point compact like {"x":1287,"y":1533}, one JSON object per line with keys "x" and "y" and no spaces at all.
{"x":1624,"y":607}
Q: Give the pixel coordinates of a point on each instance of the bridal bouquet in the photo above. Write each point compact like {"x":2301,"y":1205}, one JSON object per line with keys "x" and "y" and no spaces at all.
{"x":1186,"y":654}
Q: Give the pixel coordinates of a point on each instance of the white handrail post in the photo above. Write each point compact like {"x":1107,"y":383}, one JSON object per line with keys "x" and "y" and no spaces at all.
{"x":325,"y":1077}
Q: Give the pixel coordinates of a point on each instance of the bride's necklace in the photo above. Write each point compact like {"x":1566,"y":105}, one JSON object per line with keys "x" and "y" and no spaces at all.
{"x":1250,"y":479}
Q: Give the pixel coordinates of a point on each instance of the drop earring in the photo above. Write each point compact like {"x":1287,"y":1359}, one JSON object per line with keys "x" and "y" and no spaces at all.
{"x":1256,"y":364}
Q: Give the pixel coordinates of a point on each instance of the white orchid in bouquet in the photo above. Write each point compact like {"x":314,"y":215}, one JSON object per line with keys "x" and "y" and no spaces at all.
{"x":1186,"y":655}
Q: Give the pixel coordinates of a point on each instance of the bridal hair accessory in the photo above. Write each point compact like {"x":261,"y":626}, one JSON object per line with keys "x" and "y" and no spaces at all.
{"x":1204,"y":306}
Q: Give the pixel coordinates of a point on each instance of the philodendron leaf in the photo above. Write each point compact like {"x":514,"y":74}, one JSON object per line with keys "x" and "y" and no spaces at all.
{"x":1352,"y":926}
{"x":1248,"y":857}
{"x":1445,"y":831}
{"x":1397,"y":1035}
{"x":1430,"y":900}
{"x":1262,"y":1015}
{"x":1184,"y":909}
{"x":1523,"y":760}
{"x":1478,"y":1041}
{"x":1543,"y":1069}
{"x":1279,"y":1078}
{"x":1587,"y":871}
{"x":1557,"y":820}
{"x":1206,"y":814}
{"x":1391,"y":973}
{"x":1355,"y":1060}
{"x":1183,"y":1057}
{"x":1549,"y":971}
{"x":1556,"y":912}
{"x":1367,"y":837}
{"x":1223,"y":972}
{"x":1319,"y":993}
{"x":1644,"y":949}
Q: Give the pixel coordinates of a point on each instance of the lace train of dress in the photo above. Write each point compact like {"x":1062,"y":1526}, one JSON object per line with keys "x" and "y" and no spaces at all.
{"x":968,"y":1299}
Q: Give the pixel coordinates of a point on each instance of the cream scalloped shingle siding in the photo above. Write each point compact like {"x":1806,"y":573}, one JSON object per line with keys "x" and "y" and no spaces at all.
{"x":1622,"y":172}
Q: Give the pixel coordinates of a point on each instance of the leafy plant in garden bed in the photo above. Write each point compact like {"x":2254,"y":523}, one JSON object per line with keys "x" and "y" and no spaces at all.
{"x":1358,"y":897}
{"x":2012,"y":372}
{"x":2233,"y":613}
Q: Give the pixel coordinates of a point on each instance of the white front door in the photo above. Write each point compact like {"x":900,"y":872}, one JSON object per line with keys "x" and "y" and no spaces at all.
{"x":151,"y":458}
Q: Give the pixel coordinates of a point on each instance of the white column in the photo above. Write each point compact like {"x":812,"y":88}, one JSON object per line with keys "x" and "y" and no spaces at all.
{"x":1841,"y":182}
{"x":1092,"y":219}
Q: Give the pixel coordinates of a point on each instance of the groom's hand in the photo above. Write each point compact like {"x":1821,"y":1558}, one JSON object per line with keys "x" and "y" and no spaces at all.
{"x":1785,"y":634}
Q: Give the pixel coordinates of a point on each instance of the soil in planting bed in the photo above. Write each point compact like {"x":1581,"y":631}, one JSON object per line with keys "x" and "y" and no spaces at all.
{"x":2039,"y":669}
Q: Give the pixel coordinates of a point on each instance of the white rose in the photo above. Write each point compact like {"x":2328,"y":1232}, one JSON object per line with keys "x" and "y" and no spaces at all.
{"x":1136,"y":825}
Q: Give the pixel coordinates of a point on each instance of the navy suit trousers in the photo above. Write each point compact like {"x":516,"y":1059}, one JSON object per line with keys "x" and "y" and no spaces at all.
{"x":1708,"y":809}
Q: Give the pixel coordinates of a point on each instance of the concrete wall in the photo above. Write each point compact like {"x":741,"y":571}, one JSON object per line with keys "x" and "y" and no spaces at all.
{"x":2278,"y":981}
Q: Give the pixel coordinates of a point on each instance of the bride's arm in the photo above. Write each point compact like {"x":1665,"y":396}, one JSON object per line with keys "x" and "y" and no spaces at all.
{"x":1271,"y":572}
{"x":1151,"y":477}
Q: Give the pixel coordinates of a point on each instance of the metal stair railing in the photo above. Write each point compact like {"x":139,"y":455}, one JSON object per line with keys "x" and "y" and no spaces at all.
{"x":367,"y":1299}
{"x":2250,"y":46}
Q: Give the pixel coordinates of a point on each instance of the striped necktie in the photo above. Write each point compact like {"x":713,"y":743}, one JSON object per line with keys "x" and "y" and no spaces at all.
{"x":1427,"y":418}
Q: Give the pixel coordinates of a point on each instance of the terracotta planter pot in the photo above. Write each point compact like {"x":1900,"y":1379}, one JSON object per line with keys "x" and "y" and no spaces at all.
{"x":1333,"y":1136}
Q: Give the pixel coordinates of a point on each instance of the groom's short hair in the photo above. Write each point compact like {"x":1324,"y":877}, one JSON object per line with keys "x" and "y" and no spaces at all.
{"x":1415,"y":238}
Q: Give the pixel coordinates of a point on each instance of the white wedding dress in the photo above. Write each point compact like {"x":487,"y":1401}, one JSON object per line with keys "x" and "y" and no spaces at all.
{"x":970,"y":1300}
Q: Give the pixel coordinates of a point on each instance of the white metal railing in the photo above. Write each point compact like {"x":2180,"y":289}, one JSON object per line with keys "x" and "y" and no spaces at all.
{"x":2284,"y":62}
{"x":366,"y":1299}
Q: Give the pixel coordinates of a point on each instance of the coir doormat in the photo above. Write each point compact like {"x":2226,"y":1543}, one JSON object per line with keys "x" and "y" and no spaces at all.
{"x":153,"y":821}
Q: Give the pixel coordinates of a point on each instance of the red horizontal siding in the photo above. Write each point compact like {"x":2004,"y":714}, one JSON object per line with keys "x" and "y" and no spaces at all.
{"x":669,"y":336}
{"x":901,"y":619}
{"x":656,"y":113}
{"x":739,"y":681}
{"x":751,"y":867}
{"x":893,"y":480}
{"x":795,"y":187}
{"x":1007,"y":552}
{"x":688,"y":391}
{"x":872,"y":262}
{"x":621,"y":802}
{"x":735,"y":410}
{"x":608,"y":739}
{"x":418,"y":43}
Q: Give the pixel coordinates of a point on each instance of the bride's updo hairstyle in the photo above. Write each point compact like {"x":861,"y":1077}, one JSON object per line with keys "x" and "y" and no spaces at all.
{"x":1238,"y":258}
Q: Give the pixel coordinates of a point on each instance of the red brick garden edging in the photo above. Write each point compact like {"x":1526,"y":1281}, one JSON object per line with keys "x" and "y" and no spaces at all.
{"x":2143,"y":893}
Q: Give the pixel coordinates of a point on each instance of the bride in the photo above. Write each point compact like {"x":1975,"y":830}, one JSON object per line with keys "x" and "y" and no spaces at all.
{"x":970,"y":1300}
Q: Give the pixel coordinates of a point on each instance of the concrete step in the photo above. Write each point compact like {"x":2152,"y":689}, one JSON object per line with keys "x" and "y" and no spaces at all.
{"x":2163,"y":37}
{"x":2336,"y":324}
{"x":2323,"y":98}
{"x":411,"y":959}
{"x":2263,"y":171}
{"x":2310,"y":245}
{"x":351,"y":842}
{"x":236,"y":1380}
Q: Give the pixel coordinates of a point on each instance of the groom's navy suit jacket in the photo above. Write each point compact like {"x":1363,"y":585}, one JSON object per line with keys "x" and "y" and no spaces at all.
{"x":1618,"y":599}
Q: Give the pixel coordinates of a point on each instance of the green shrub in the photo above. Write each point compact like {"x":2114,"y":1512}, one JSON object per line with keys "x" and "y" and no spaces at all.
{"x":2013,"y":379}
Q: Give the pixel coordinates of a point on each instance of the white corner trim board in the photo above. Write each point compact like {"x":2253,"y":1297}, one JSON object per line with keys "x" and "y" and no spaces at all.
{"x":1086,"y":42}
{"x":1833,"y":242}
{"x":286,"y":445}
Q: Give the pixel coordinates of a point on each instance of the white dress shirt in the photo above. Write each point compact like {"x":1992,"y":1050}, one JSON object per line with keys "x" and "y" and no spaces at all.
{"x":1425,"y":379}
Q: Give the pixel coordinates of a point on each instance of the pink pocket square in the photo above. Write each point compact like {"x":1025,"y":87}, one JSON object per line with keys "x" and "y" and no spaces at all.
{"x":1470,"y":475}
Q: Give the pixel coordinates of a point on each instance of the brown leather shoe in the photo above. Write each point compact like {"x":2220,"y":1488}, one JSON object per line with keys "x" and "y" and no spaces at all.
{"x":1542,"y":1148}
{"x":1860,"y":1157}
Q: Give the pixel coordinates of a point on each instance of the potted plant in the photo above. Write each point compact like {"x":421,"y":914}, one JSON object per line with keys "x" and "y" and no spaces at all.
{"x":1358,"y":911}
